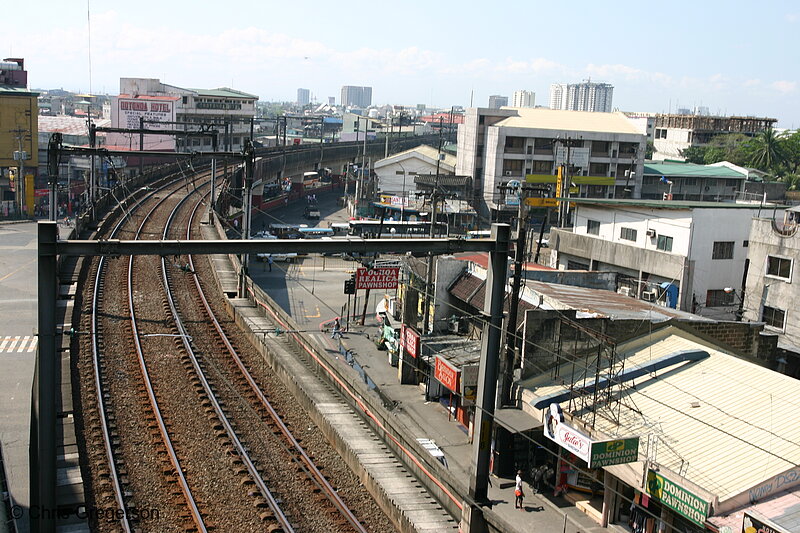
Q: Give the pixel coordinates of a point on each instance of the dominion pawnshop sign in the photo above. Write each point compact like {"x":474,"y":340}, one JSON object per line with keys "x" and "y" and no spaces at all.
{"x":677,"y":498}
{"x":614,"y":452}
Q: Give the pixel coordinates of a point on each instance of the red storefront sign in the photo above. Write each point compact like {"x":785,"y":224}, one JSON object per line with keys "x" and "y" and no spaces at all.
{"x":409,"y":340}
{"x":446,"y":373}
{"x":377,"y":278}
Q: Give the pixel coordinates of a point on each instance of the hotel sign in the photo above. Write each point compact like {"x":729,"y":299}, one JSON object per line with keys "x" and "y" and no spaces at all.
{"x":677,"y":498}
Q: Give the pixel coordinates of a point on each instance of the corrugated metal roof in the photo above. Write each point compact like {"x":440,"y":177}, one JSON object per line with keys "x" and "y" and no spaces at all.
{"x":223,"y":92}
{"x":68,"y":125}
{"x":666,"y":204}
{"x":554,"y":119}
{"x":424,"y":150}
{"x":9,"y":90}
{"x":782,"y":509}
{"x":607,"y":304}
{"x":727,"y":423}
{"x":687,"y":170}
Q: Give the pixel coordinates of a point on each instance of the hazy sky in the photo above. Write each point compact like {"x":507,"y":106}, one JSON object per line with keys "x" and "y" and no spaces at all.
{"x":735,"y":57}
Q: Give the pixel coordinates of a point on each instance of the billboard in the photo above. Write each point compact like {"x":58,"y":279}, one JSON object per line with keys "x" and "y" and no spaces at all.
{"x":446,"y":373}
{"x":377,"y":278}
{"x":127,"y":112}
{"x":409,"y":340}
{"x":596,"y":453}
{"x":677,"y":498}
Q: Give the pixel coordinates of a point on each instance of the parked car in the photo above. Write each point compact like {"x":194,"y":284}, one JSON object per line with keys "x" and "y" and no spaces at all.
{"x":289,"y":257}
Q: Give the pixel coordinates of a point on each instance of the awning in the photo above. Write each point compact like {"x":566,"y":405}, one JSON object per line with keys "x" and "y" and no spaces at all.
{"x":516,"y":420}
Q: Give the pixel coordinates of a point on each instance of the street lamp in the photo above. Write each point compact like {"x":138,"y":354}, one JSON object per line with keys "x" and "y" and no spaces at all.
{"x":740,"y":295}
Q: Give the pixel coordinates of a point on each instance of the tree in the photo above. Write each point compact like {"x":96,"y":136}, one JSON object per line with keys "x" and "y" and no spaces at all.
{"x":765,"y":151}
{"x":790,"y":144}
{"x":730,"y":147}
{"x":695,"y":154}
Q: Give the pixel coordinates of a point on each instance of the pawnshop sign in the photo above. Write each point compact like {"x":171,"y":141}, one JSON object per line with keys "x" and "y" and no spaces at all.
{"x":446,"y":373}
{"x":377,"y":278}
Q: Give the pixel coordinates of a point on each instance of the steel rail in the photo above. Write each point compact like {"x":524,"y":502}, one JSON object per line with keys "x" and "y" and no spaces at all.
{"x":281,"y":517}
{"x":315,"y":473}
{"x":197,"y":518}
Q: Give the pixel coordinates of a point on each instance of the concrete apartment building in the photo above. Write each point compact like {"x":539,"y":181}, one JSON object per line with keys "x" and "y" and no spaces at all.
{"x":585,"y":96}
{"x":303,"y":97}
{"x":499,"y":145}
{"x":524,"y":99}
{"x":354,"y":96}
{"x":496,"y":101}
{"x":19,"y":112}
{"x":153,"y":100}
{"x":674,"y":133}
{"x":699,"y":248}
{"x":773,"y":283}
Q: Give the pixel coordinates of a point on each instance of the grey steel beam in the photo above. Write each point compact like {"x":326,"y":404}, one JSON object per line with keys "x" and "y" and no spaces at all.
{"x":114,"y":247}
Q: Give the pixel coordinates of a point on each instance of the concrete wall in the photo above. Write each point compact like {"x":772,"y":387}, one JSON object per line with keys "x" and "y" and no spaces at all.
{"x":672,"y":223}
{"x":763,"y":289}
{"x":447,"y":270}
{"x":591,"y":280}
{"x":714,"y":225}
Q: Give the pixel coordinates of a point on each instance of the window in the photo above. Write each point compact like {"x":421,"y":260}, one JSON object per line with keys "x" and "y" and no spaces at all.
{"x":722,"y":250}
{"x":542,"y":167}
{"x":598,"y":169}
{"x":576,"y":265}
{"x":773,"y":316}
{"x":719,"y":298}
{"x":664,"y":243}
{"x":628,"y":234}
{"x":593,"y":227}
{"x":779,"y":267}
{"x":745,"y":244}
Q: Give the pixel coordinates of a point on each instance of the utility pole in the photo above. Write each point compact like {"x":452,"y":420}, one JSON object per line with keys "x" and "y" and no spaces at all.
{"x":141,"y":144}
{"x":248,"y":154}
{"x":429,"y":288}
{"x":21,"y":155}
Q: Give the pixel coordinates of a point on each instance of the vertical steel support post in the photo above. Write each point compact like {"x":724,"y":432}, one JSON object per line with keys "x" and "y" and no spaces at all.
{"x":490,"y":355}
{"x":43,"y":444}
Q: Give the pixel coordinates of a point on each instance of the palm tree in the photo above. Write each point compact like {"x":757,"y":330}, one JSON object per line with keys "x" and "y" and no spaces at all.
{"x":765,"y":150}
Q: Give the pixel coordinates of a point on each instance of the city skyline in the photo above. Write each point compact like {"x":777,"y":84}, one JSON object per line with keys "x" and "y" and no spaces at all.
{"x":260,"y":54}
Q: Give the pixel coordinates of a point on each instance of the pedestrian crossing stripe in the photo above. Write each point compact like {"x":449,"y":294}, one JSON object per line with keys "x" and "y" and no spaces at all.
{"x":18,"y":344}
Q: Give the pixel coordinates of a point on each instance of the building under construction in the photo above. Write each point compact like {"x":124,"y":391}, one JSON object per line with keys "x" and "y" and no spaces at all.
{"x":674,"y":133}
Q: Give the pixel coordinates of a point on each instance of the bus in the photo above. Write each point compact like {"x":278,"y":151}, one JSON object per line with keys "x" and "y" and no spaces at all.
{"x":479,"y":234}
{"x":315,"y":233}
{"x":394,"y":228}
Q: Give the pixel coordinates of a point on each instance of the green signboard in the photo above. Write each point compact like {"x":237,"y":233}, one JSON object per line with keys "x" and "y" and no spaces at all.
{"x":677,"y":498}
{"x":614,"y":452}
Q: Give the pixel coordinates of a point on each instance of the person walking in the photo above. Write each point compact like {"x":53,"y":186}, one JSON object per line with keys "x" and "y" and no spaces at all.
{"x":269,"y":262}
{"x":337,"y":329}
{"x":538,"y":474}
{"x":518,"y":491}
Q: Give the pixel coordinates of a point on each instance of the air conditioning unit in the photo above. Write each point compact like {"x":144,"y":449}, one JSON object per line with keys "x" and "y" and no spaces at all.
{"x":651,"y":233}
{"x":650,"y":296}
{"x":625,"y":291}
{"x":509,"y":173}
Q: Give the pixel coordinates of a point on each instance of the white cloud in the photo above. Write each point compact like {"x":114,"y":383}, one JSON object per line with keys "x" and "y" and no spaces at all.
{"x":784,"y":86}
